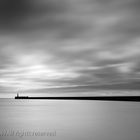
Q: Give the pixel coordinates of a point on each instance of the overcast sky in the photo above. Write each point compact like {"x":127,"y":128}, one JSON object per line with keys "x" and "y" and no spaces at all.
{"x":68,"y":43}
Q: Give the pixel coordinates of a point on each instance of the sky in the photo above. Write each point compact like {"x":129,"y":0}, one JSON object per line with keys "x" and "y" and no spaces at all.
{"x":51,"y":44}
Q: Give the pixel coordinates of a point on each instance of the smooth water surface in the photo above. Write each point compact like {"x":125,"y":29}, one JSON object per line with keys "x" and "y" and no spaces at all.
{"x":69,"y":120}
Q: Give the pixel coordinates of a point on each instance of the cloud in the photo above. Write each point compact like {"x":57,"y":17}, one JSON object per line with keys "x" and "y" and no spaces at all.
{"x":19,"y":13}
{"x":47,"y":43}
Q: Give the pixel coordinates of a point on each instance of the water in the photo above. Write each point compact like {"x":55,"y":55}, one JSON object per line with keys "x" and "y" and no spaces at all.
{"x":69,"y":120}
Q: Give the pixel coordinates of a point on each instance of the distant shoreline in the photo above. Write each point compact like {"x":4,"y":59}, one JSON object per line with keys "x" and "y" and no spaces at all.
{"x":103,"y":98}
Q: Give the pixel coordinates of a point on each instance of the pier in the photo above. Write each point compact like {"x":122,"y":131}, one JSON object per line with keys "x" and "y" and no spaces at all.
{"x":102,"y":98}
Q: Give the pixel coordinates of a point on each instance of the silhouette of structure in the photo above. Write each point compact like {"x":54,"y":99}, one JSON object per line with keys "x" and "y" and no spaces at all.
{"x":21,"y":97}
{"x":101,"y":98}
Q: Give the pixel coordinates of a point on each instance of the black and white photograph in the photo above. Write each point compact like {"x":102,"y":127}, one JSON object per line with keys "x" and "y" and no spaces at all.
{"x":69,"y":69}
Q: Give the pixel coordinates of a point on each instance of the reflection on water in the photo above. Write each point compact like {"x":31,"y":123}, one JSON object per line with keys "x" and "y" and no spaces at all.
{"x":71,"y":120}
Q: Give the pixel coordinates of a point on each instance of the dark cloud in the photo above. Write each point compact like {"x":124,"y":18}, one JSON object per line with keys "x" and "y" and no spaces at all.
{"x":13,"y":12}
{"x":108,"y":74}
{"x":13,"y":9}
{"x":17,"y":14}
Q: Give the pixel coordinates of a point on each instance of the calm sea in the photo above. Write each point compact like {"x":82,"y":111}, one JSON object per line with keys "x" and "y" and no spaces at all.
{"x":69,"y":120}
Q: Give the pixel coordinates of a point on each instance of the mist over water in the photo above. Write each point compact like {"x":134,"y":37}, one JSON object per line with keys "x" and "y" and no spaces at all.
{"x":77,"y":120}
